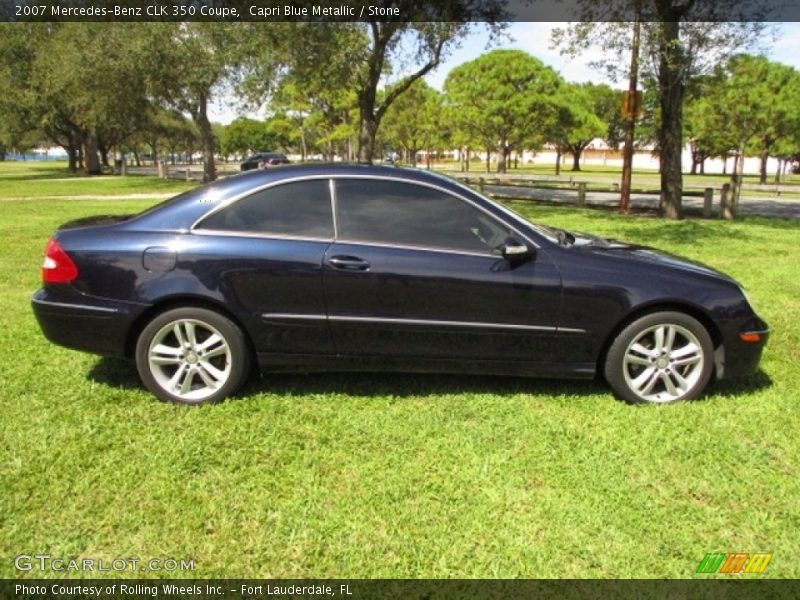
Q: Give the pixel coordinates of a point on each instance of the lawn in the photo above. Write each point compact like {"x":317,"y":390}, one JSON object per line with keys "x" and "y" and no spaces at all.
{"x":400,"y":475}
{"x":46,"y":179}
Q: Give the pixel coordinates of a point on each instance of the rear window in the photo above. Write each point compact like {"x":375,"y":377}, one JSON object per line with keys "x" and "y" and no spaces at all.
{"x":298,"y":209}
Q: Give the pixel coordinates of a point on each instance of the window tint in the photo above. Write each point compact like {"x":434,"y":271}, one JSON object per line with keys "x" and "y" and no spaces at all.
{"x":300,"y":209}
{"x":404,"y":214}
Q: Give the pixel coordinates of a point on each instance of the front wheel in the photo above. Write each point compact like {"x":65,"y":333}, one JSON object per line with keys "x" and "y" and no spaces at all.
{"x":660,"y":358}
{"x":192,"y":355}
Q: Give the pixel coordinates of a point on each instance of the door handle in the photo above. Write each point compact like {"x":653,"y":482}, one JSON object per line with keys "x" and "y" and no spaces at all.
{"x":349,"y":263}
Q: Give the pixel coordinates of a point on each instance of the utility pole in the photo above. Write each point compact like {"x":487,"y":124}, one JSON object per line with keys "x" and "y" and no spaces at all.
{"x":631,"y":110}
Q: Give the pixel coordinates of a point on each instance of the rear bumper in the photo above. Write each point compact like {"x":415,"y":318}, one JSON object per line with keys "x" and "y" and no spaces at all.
{"x":85,"y":324}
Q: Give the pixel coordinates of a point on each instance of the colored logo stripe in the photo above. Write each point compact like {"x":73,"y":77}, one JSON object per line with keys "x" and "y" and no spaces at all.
{"x":735,"y":562}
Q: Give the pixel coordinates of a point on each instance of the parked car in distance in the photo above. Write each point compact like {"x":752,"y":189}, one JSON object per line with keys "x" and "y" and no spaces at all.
{"x":263,"y":160}
{"x":378,"y":268}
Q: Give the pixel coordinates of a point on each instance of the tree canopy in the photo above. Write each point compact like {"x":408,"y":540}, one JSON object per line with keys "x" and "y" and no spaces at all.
{"x":680,"y":40}
{"x":503,"y":100}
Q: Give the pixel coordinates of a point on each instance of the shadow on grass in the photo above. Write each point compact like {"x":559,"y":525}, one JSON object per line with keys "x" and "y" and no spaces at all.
{"x":39,"y":175}
{"x":115,"y":372}
{"x":741,"y":386}
{"x":122,"y":374}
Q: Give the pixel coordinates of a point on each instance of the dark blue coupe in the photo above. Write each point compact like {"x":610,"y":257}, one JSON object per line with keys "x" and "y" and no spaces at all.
{"x":364,"y":268}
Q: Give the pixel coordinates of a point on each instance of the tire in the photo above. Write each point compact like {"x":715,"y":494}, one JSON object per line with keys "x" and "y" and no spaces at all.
{"x":660,"y":358}
{"x":192,"y":355}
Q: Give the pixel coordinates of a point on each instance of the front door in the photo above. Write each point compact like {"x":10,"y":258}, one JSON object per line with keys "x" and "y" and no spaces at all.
{"x":415,"y":272}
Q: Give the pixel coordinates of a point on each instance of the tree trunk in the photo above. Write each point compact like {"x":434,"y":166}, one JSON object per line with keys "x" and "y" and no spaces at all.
{"x":671,"y":86}
{"x":725,"y":165}
{"x":488,"y":160}
{"x":466,"y":158}
{"x":366,"y":139}
{"x":703,"y":165}
{"x":302,"y":145}
{"x":104,"y":156}
{"x":207,"y":138}
{"x":502,"y":158}
{"x":72,"y":158}
{"x":576,"y":160}
{"x":738,"y":175}
{"x":428,"y":159}
{"x":90,"y":155}
{"x":762,"y":172}
{"x":558,"y":161}
{"x":778,"y":171}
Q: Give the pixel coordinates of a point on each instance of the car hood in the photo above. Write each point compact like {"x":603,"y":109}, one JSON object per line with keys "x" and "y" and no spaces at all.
{"x":591,"y":243}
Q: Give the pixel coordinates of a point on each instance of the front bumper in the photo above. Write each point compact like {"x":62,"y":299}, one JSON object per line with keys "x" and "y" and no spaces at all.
{"x":740,"y":357}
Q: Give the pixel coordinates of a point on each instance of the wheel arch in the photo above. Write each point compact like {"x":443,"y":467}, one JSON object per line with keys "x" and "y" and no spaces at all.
{"x":640,"y":311}
{"x":180,"y":301}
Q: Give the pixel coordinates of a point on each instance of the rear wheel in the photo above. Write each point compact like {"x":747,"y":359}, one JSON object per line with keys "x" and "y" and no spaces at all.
{"x":192,"y":355}
{"x":660,"y":358}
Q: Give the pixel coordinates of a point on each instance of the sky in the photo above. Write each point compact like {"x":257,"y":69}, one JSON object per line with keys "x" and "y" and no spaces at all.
{"x":534,"y":38}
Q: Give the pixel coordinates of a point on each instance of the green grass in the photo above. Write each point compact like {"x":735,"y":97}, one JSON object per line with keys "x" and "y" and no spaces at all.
{"x":402,"y":475}
{"x":45,"y":179}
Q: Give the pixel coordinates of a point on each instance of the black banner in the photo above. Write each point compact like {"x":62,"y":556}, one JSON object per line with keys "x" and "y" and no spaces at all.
{"x":394,"y":589}
{"x":232,"y":11}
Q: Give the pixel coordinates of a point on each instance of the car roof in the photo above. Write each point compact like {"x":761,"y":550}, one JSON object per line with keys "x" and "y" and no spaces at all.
{"x":187,"y":207}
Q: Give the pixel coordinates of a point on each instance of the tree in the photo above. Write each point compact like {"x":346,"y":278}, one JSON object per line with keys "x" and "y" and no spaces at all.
{"x":503,"y":98}
{"x":577,"y":123}
{"x":244,"y":136}
{"x":26,"y":103}
{"x":81,"y":84}
{"x":188,"y":65}
{"x":318,"y":114}
{"x":362,"y":54}
{"x":413,"y":121}
{"x":705,"y":128}
{"x":606,"y":104}
{"x":757,"y":100}
{"x":679,"y":40}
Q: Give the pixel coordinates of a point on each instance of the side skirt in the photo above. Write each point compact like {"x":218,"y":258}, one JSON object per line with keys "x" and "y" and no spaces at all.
{"x":293,"y":363}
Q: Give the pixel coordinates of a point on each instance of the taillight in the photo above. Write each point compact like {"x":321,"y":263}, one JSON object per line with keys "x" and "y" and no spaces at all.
{"x":57,"y":266}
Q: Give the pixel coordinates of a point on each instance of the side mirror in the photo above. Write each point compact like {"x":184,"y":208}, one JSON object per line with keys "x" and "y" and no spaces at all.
{"x":515,"y":251}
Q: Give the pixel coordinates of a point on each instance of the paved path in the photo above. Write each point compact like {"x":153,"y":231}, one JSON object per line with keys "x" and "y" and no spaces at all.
{"x":747,"y":205}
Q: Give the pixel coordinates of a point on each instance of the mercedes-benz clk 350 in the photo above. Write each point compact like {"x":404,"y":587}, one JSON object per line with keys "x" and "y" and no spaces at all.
{"x":377,"y":268}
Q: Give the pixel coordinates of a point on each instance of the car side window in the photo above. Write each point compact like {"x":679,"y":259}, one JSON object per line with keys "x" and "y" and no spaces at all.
{"x":405,"y":214}
{"x":298,"y":209}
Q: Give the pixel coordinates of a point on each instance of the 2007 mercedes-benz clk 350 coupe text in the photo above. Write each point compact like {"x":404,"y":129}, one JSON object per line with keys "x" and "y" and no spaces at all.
{"x":367,"y":268}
